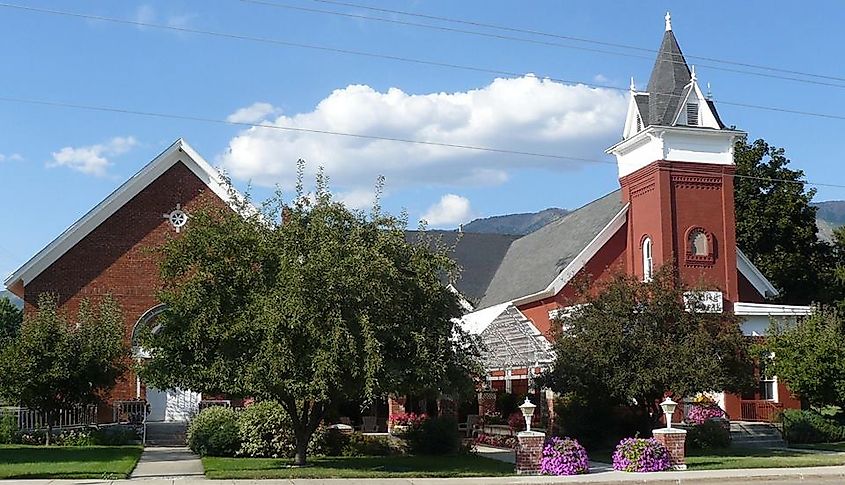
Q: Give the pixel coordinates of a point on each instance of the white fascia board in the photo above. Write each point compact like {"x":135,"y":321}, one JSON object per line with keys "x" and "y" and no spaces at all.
{"x":581,"y":260}
{"x":178,"y":151}
{"x":770,"y":309}
{"x":754,"y":276}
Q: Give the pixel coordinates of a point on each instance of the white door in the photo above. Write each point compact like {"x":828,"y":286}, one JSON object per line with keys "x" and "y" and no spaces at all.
{"x":158,"y":404}
{"x":172,"y":404}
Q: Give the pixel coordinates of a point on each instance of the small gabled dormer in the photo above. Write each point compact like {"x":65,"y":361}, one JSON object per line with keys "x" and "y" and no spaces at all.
{"x":695,"y":109}
{"x":637,"y":118}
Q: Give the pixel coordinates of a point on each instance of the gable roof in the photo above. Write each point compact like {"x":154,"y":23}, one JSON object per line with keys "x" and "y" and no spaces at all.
{"x":508,"y":338}
{"x":478,"y":255}
{"x":179,"y":151}
{"x":534,"y":262}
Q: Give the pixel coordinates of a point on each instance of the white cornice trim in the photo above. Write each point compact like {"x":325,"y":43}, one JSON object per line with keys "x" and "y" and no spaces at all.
{"x":580,"y":260}
{"x":769,"y":309}
{"x":178,"y":151}
{"x":754,"y":276}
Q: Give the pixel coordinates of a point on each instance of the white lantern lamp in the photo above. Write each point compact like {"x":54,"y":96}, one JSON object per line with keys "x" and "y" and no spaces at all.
{"x":527,"y":409}
{"x":668,"y":406}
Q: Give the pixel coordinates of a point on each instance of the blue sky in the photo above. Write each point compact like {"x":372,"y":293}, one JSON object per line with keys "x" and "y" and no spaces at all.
{"x":56,"y":163}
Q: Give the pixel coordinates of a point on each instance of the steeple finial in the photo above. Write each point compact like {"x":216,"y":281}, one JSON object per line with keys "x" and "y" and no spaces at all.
{"x":692,"y":73}
{"x":668,"y":21}
{"x":709,"y":92}
{"x":633,"y":86}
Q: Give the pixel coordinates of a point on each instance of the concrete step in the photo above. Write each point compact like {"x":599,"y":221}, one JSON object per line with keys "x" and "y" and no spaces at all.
{"x":756,"y":435}
{"x":166,"y":434}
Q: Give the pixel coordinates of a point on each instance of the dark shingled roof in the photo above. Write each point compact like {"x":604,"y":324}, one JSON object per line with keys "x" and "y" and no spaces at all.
{"x":668,"y":78}
{"x":534,"y":261}
{"x":642,"y":104}
{"x":478,"y":255}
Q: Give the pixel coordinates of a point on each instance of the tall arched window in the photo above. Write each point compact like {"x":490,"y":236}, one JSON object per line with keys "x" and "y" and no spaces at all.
{"x":648,"y":260}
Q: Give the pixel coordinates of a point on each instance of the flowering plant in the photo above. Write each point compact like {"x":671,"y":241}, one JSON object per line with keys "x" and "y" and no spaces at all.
{"x":699,"y":413}
{"x":564,"y":456}
{"x":516,"y":422}
{"x":411,"y":420}
{"x":497,"y":440}
{"x":641,"y":455}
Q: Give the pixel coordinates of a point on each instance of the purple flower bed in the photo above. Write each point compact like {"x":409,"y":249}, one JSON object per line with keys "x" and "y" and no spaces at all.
{"x":641,"y":455}
{"x":699,"y":413}
{"x":564,"y":456}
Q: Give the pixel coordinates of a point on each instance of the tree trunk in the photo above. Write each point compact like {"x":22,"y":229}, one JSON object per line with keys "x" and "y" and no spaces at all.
{"x":301,"y":449}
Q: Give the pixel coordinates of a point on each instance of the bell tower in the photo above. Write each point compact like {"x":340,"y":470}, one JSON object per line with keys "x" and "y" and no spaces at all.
{"x":676,"y":170}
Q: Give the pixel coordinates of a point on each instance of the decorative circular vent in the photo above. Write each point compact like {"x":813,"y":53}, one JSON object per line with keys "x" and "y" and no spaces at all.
{"x":177,"y":217}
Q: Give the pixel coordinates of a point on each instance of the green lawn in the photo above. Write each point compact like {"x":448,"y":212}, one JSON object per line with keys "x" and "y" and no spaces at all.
{"x":358,"y":467}
{"x":823,"y":446}
{"x":747,"y":458}
{"x":110,"y":462}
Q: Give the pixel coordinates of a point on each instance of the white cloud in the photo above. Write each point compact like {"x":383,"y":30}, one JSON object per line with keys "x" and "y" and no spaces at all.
{"x":358,"y":198}
{"x":253,"y":113}
{"x":14,"y":157}
{"x":523,"y":114}
{"x":451,"y":210}
{"x":146,"y":14}
{"x":92,"y":159}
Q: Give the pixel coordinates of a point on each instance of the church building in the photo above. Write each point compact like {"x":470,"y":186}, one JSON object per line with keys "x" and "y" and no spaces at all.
{"x":675,"y":205}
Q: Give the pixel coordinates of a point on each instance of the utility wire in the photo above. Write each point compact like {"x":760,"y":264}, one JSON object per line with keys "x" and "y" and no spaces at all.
{"x":384,"y":56}
{"x":567,"y":37}
{"x":676,"y":59}
{"x":477,"y":148}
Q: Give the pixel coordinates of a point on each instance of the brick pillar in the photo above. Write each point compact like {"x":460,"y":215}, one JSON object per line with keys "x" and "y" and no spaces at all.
{"x":675,"y":441}
{"x":529,"y":452}
{"x":486,"y":402}
{"x":446,"y":406}
{"x":395,"y":405}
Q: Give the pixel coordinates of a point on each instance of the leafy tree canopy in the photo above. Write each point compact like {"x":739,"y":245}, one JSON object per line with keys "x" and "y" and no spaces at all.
{"x":776,"y":225}
{"x":810,"y":356}
{"x":56,"y":364}
{"x":11,"y":318}
{"x":308,"y":303}
{"x":631,"y":342}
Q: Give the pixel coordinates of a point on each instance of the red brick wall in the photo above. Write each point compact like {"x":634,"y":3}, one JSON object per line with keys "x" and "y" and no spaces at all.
{"x":117,"y":257}
{"x":667,"y":202}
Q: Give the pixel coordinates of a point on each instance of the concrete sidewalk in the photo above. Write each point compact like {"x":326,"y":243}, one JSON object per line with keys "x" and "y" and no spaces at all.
{"x":810,"y":475}
{"x":168,"y":462}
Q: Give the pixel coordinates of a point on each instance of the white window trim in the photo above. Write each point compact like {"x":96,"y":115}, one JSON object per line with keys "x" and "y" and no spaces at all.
{"x":648,"y":259}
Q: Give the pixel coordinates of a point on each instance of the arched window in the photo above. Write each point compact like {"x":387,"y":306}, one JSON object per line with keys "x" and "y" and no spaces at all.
{"x":648,"y":259}
{"x":701,"y":247}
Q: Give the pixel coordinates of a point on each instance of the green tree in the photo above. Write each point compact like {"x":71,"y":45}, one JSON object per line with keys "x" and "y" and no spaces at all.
{"x":810,"y":356}
{"x":56,"y":364}
{"x":308,"y":304}
{"x":776,"y":225}
{"x":631,"y":342}
{"x":11,"y":318}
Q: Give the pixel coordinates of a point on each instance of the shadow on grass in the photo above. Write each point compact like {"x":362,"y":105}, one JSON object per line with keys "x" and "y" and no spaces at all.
{"x":20,"y":461}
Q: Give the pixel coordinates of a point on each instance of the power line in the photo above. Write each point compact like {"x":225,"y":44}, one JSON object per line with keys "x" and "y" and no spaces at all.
{"x":382,"y":56}
{"x":154,"y":114}
{"x":529,"y":41}
{"x":570,"y":38}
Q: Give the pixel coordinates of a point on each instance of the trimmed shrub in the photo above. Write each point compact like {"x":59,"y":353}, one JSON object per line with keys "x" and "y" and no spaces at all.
{"x":214,"y":432}
{"x":640,"y":455}
{"x":8,"y":429}
{"x":708,"y":435}
{"x":115,"y":436}
{"x":328,"y":442}
{"x":435,"y":436}
{"x":359,"y":444}
{"x":564,"y":456}
{"x":811,"y":427}
{"x":265,"y":431}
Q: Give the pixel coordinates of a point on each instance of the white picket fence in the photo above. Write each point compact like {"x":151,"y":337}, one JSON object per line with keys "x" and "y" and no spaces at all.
{"x":32,"y":419}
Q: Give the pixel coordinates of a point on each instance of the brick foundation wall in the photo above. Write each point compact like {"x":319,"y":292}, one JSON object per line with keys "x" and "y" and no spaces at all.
{"x":529,"y":452}
{"x":675,"y":441}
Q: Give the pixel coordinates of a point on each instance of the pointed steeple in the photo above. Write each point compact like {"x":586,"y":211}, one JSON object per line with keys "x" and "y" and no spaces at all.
{"x":668,"y":78}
